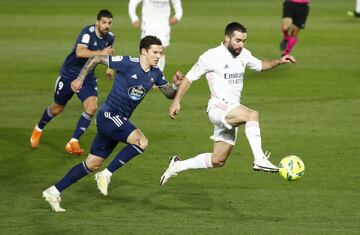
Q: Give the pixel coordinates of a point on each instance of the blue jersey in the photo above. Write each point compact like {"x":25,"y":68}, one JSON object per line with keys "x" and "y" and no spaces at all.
{"x":131,"y":84}
{"x":73,"y":65}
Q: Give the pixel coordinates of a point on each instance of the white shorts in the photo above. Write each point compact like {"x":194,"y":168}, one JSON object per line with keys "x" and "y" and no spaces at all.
{"x":162,"y":34}
{"x":217,"y":110}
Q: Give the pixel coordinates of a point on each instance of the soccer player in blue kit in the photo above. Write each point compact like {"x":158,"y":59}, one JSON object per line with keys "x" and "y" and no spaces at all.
{"x":135,"y":76}
{"x":96,"y":39}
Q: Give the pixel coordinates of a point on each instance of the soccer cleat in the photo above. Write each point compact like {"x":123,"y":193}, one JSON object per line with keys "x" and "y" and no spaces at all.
{"x":353,"y":14}
{"x":35,"y":137}
{"x":53,"y":200}
{"x":170,"y":171}
{"x":102,"y":182}
{"x":73,"y":147}
{"x":283,"y":44}
{"x":263,"y":164}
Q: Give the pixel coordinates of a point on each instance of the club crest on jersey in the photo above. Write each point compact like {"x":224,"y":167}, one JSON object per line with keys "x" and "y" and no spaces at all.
{"x":136,"y":92}
{"x":152,"y":79}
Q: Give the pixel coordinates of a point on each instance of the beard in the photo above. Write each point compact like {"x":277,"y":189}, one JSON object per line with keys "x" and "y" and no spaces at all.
{"x":104,"y":32}
{"x":233,"y":51}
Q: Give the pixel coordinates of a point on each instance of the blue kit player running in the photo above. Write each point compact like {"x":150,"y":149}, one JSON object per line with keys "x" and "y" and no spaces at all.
{"x":93,"y":40}
{"x":134,"y":78}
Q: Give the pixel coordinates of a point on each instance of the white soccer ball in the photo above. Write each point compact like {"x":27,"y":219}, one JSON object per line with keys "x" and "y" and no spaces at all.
{"x":291,"y":168}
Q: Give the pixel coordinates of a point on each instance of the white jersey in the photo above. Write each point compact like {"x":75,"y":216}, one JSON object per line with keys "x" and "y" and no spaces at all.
{"x":224,"y":72}
{"x":155,"y":13}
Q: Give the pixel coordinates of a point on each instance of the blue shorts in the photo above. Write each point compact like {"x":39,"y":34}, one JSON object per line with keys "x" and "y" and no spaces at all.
{"x":63,"y":92}
{"x":111,"y":129}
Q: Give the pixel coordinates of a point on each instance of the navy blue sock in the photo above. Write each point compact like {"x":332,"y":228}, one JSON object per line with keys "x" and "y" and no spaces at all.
{"x":74,"y":174}
{"x":45,"y":118}
{"x":82,"y":125}
{"x":125,"y":155}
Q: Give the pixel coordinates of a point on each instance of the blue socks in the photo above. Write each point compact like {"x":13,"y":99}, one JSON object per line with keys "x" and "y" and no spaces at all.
{"x":81,"y":170}
{"x":74,"y":174}
{"x":82,"y":125}
{"x":46,"y":117}
{"x":125,"y":155}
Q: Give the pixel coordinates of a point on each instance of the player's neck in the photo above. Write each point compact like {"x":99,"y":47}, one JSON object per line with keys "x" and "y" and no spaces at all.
{"x":144,"y":64}
{"x":97,"y":32}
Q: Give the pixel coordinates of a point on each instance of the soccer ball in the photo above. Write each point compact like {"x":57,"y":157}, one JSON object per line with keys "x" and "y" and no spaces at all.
{"x":291,"y":168}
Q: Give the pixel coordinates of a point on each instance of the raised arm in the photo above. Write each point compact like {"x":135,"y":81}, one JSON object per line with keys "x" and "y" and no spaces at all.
{"x":91,"y":63}
{"x":269,"y":64}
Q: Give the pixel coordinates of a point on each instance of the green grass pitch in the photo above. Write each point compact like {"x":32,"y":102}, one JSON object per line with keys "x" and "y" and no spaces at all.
{"x":310,"y":109}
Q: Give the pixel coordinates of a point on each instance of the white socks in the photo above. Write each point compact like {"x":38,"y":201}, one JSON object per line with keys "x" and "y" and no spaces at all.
{"x":252,"y":132}
{"x":106,"y":172}
{"x":200,"y":161}
{"x":54,"y":191}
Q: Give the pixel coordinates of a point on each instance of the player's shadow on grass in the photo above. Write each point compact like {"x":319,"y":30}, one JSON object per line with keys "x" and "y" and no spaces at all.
{"x":185,"y":197}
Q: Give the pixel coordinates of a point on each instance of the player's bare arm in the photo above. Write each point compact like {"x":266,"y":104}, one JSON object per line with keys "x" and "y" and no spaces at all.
{"x":269,"y":64}
{"x":83,"y":52}
{"x":175,"y":106}
{"x":89,"y":66}
{"x":109,"y":73}
{"x":170,"y":90}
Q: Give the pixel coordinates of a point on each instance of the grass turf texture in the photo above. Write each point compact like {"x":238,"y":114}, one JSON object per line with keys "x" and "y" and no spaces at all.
{"x":310,"y":110}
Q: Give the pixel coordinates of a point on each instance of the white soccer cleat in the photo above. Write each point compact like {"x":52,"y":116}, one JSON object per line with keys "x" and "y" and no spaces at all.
{"x":102,"y":182}
{"x":53,"y":200}
{"x":263,"y":164}
{"x":170,"y":171}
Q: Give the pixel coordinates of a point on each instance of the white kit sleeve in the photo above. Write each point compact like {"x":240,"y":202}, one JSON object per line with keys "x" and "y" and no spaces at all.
{"x":201,"y":67}
{"x":178,"y":8}
{"x":132,"y":10}
{"x":254,"y":63}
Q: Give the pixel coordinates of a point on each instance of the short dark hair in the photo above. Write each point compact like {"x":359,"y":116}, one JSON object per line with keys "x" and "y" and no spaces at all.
{"x":104,"y":13}
{"x":147,"y":41}
{"x":234,"y":26}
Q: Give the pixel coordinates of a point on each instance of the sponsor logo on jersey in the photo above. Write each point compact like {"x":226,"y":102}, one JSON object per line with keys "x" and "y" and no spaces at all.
{"x":152,"y":79}
{"x":233,"y":75}
{"x":136,"y":92}
{"x":134,"y":76}
{"x":134,"y":59}
{"x":116,"y":58}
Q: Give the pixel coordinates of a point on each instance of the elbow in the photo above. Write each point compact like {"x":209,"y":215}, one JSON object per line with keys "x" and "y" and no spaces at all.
{"x":79,"y":55}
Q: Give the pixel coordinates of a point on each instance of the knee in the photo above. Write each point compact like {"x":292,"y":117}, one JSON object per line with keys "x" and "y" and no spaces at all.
{"x":253,"y":115}
{"x":218,"y":161}
{"x":56,"y":109}
{"x":143,"y":143}
{"x":91,"y":109}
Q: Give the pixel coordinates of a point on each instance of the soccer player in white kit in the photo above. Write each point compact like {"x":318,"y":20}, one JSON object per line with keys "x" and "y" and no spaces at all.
{"x":356,"y":12}
{"x":224,"y":68}
{"x":156,"y":20}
